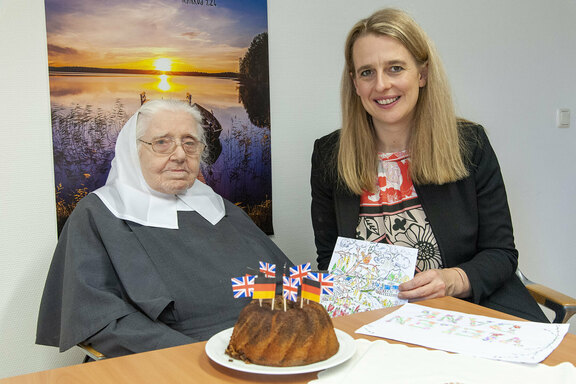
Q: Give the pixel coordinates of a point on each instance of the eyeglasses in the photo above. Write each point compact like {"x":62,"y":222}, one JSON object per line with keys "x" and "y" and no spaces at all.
{"x":167,"y":145}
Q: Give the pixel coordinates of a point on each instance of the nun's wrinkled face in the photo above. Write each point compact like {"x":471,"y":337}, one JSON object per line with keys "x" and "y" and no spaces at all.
{"x":170,"y":152}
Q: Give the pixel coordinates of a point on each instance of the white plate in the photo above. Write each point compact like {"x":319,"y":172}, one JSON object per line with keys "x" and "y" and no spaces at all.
{"x":216,"y":346}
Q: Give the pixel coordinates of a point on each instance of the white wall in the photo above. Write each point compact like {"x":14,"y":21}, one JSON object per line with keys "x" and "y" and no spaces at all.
{"x":510,"y":63}
{"x":27,"y":202}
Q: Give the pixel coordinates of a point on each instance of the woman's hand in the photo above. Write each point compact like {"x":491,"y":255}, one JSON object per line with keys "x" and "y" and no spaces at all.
{"x":436,"y":283}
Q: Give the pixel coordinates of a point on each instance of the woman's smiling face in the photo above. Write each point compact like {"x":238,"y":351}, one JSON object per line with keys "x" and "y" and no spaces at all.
{"x":387,"y":80}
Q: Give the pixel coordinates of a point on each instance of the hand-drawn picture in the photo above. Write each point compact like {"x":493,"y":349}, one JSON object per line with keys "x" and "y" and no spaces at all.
{"x":481,"y":336}
{"x":366,"y":275}
{"x":106,"y":58}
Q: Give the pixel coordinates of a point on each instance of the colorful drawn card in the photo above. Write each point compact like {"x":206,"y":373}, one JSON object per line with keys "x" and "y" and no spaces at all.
{"x":480,"y":336}
{"x":367,"y":275}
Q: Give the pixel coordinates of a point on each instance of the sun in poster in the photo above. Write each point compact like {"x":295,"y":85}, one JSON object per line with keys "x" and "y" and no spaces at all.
{"x":163,"y":64}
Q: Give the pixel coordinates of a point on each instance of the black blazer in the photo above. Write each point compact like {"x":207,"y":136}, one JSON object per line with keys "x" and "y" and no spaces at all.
{"x":470,"y":219}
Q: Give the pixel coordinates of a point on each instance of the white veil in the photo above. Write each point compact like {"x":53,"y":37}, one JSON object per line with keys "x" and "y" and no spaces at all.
{"x":128,"y":196}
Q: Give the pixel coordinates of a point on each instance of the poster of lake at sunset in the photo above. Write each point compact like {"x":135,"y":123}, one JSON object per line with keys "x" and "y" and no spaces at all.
{"x":107,"y":57}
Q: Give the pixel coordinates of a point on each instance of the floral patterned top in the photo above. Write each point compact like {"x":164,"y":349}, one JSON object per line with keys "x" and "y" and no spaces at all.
{"x":394,"y":214}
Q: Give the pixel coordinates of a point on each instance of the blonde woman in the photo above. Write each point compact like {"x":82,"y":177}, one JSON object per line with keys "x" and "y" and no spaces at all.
{"x":404,"y":170}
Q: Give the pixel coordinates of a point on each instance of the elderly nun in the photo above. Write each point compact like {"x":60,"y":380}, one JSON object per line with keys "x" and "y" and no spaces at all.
{"x":145,"y":262}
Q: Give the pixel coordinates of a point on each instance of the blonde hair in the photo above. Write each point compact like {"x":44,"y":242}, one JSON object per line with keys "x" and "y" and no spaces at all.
{"x":435,"y":148}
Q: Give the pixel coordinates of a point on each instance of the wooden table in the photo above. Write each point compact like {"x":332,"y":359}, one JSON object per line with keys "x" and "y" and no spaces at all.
{"x":189,"y":363}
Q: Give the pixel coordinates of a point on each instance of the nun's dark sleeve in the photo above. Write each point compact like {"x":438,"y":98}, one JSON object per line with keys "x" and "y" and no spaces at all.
{"x":87,"y":297}
{"x":136,"y":333}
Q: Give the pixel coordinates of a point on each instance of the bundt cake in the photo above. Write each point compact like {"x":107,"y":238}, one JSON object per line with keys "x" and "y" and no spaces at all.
{"x":297,"y":336}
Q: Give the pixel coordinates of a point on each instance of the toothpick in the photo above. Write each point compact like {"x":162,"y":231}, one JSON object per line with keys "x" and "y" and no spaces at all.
{"x":284,"y":274}
{"x":260,"y":301}
{"x":273,"y":302}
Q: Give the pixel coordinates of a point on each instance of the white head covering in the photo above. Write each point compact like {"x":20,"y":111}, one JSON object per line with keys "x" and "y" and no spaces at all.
{"x":128,"y":196}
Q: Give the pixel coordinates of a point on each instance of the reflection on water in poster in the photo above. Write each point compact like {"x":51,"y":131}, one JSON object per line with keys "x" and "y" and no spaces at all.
{"x":89,"y":110}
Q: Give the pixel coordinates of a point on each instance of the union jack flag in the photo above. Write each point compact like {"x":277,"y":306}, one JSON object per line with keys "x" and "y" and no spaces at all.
{"x":326,"y":281}
{"x":290,"y":288}
{"x":269,"y":270}
{"x":243,"y":286}
{"x":300,"y":271}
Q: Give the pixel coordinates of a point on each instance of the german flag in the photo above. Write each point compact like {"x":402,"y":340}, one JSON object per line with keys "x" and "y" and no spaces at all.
{"x":311,"y":290}
{"x":264,"y":288}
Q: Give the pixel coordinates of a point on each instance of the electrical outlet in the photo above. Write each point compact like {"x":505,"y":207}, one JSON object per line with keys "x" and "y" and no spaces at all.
{"x":563,"y":118}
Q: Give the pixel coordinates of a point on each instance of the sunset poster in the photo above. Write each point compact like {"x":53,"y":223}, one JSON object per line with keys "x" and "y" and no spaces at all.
{"x":107,"y":57}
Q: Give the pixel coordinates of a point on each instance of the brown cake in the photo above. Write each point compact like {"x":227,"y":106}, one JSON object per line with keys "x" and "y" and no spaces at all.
{"x":276,"y":338}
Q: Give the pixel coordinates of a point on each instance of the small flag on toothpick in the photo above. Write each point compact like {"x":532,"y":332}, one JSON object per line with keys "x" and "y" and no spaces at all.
{"x":311,"y":290}
{"x":269,"y":270}
{"x":326,"y":281}
{"x":300,"y":271}
{"x":290,"y":288}
{"x":243,"y":286}
{"x":264,"y":288}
